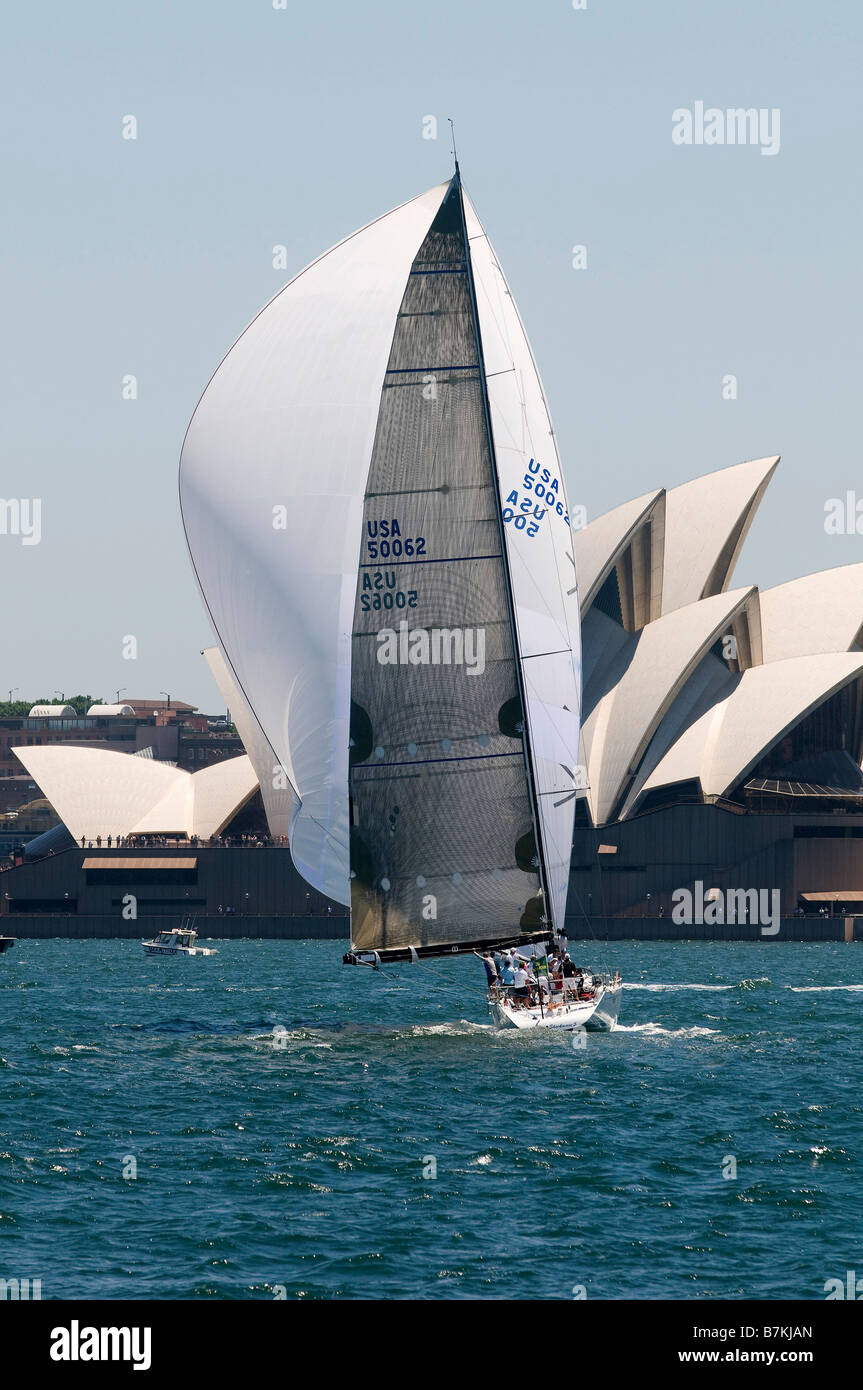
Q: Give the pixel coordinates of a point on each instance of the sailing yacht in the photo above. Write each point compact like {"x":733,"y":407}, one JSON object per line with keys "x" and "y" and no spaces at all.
{"x":403,"y":642}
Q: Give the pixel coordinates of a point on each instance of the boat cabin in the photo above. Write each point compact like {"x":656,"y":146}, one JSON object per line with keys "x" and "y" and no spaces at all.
{"x":175,"y":938}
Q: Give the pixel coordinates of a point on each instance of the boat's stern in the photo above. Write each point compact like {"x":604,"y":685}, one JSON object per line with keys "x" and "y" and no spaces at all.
{"x":501,"y":1017}
{"x":605,"y":1015}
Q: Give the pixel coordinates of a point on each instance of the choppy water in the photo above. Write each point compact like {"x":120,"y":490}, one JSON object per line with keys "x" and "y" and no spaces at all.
{"x":302,"y":1157}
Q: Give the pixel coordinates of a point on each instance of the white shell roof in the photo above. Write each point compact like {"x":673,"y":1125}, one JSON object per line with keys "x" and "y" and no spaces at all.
{"x":710,"y":681}
{"x":660,"y":709}
{"x":726,"y":742}
{"x":96,"y":791}
{"x":640,"y":684}
{"x":599,"y":544}
{"x":706,"y":522}
{"x":280,"y":798}
{"x":819,"y":613}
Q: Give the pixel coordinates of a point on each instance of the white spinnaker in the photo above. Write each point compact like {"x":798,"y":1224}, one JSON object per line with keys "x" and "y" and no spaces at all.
{"x":280,"y":797}
{"x":541,"y":558}
{"x":272,"y":477}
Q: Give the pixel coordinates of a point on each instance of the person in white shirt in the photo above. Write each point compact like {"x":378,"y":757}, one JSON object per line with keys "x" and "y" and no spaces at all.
{"x":520,"y":985}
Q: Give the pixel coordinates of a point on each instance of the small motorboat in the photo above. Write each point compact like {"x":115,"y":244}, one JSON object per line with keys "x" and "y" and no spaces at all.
{"x":6,"y":942}
{"x":179,"y":941}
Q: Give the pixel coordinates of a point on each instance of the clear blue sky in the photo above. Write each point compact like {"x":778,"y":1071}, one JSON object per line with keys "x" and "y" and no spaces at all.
{"x":258,"y":126}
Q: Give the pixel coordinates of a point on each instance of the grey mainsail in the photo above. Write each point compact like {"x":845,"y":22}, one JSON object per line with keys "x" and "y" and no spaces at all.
{"x":443,"y":842}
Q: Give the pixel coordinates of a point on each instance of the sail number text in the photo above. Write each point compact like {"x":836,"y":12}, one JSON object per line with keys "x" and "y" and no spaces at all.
{"x":386,"y":542}
{"x":379,"y":591}
{"x":526,"y":513}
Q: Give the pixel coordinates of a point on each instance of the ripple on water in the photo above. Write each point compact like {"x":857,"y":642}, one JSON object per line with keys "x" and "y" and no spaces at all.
{"x":382,"y":1140}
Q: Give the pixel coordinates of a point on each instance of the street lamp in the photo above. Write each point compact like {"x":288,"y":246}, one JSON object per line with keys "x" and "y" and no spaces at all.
{"x":167,"y":697}
{"x":120,"y":692}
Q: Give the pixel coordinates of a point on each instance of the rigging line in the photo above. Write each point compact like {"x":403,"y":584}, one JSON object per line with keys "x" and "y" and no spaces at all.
{"x":573,"y":892}
{"x":539,"y":593}
{"x":590,"y":932}
{"x":504,"y":293}
{"x":551,"y":712}
{"x":477,"y":989}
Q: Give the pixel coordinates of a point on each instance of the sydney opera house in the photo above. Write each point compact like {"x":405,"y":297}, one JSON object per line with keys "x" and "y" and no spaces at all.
{"x":722,"y":734}
{"x":722,"y":726}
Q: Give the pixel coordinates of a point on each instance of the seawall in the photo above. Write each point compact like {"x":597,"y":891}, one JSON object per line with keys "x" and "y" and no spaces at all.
{"x":334,"y":928}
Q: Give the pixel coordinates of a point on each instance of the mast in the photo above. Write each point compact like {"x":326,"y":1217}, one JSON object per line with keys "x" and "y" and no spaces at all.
{"x":454,"y":154}
{"x":528,"y":753}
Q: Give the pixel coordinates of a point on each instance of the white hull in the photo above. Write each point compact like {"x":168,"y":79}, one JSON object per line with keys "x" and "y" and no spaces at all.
{"x":152,"y":950}
{"x":561,"y":1016}
{"x":599,"y":1013}
{"x":604,"y":1017}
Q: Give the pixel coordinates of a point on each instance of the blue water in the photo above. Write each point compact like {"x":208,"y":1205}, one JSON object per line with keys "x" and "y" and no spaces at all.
{"x":303,"y":1158}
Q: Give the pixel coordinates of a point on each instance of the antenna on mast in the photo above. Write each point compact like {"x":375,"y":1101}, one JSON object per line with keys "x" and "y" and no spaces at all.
{"x":454,"y":153}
